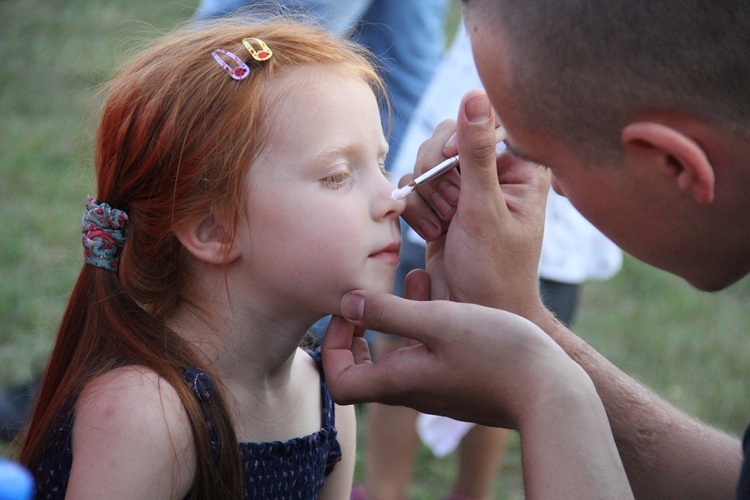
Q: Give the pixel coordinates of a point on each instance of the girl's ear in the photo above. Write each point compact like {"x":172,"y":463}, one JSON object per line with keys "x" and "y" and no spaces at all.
{"x":208,"y":240}
{"x":676,"y":154}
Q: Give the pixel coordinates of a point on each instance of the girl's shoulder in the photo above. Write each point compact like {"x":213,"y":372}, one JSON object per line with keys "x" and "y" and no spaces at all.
{"x":131,"y":429}
{"x":130,"y":393}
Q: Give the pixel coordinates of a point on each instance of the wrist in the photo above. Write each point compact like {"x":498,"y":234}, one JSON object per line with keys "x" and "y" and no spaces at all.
{"x":566,"y":441}
{"x":528,"y":305}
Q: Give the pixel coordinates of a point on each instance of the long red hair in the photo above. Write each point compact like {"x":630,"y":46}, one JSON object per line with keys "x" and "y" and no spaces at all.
{"x":176,"y":139}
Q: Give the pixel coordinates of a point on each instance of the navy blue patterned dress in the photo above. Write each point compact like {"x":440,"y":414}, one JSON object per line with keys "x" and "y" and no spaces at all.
{"x":293,"y":469}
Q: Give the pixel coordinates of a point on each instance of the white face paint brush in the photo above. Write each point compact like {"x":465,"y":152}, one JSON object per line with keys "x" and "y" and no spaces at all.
{"x":438,"y":170}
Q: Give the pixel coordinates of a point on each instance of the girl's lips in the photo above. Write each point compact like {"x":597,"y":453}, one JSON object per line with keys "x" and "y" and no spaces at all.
{"x":388,"y":254}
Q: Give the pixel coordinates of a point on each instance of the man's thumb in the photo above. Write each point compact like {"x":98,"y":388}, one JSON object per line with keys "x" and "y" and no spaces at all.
{"x":477,"y":143}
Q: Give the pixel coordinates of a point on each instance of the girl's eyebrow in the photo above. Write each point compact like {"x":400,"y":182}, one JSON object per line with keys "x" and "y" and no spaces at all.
{"x":340,"y":151}
{"x":343,"y":149}
{"x":332,"y":152}
{"x":327,"y":155}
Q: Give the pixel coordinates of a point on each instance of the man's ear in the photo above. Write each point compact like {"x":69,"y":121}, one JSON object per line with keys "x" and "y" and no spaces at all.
{"x":208,"y":240}
{"x":678,"y":154}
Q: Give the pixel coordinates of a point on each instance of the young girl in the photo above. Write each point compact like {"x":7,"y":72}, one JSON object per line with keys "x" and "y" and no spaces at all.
{"x":241,"y":193}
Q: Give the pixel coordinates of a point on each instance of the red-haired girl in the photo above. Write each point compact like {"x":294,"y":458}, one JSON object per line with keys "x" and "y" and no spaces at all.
{"x":241,"y":194}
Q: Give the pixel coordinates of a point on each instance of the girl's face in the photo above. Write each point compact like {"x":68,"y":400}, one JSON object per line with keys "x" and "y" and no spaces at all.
{"x":320,"y":221}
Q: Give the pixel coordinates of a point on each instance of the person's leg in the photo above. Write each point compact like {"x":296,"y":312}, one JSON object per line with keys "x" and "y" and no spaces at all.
{"x":212,"y":9}
{"x":480,"y":456}
{"x":392,"y":440}
{"x":337,"y":16}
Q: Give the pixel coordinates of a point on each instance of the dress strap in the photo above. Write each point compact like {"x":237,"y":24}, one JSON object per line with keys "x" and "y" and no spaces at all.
{"x":329,"y":415}
{"x":203,"y":389}
{"x":199,"y":383}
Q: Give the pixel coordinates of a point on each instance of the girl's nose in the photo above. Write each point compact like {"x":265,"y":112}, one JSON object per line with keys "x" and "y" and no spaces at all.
{"x":384,"y":205}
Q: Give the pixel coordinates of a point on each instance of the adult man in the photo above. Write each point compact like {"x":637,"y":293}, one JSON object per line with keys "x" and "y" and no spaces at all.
{"x":640,"y":110}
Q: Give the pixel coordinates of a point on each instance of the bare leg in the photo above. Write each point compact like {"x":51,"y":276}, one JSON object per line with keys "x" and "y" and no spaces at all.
{"x":480,"y":457}
{"x":392,"y":441}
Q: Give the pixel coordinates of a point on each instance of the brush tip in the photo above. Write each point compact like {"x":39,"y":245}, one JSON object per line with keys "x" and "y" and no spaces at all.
{"x":399,"y":193}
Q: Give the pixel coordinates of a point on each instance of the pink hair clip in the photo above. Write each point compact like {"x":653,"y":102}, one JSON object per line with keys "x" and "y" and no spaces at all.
{"x":240,"y":72}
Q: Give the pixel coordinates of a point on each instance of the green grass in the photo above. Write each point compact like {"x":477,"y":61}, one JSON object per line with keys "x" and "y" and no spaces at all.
{"x":54,"y":55}
{"x":691,"y":347}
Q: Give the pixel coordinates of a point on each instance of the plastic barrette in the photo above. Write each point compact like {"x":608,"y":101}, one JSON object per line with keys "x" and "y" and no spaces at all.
{"x":262,"y":53}
{"x":239,"y":72}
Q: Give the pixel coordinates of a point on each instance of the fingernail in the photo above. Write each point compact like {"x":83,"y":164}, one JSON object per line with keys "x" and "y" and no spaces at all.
{"x":451,"y":142}
{"x":450,"y":192}
{"x":443,"y":207}
{"x":427,"y":230}
{"x":478,"y":109}
{"x":353,"y":307}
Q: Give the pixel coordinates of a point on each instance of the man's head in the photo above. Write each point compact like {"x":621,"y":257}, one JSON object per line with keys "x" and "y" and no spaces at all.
{"x":641,"y":108}
{"x":590,"y":67}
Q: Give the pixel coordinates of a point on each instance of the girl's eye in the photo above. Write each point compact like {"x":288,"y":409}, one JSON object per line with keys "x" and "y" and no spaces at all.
{"x":338,"y":180}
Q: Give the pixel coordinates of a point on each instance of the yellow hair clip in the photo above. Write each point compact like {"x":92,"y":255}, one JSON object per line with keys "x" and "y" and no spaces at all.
{"x":263,"y":54}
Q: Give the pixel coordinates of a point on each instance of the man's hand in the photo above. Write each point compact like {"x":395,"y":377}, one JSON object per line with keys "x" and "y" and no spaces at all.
{"x":484,"y":227}
{"x":461,"y":360}
{"x":481,"y":365}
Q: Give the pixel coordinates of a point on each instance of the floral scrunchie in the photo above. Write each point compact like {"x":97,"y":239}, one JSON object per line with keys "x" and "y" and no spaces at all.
{"x":104,"y":235}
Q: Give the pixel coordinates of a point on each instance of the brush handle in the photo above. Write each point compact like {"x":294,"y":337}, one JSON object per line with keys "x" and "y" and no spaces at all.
{"x":435,"y":171}
{"x":439,"y":169}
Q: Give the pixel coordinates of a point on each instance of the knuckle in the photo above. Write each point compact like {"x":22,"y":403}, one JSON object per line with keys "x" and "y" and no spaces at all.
{"x":485,"y":151}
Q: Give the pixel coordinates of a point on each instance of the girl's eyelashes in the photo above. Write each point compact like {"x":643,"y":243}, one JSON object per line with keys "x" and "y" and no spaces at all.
{"x":342,"y":178}
{"x":339,"y":180}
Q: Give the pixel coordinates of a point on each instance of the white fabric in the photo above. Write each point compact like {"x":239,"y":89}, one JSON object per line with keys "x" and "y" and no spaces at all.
{"x":574,"y":251}
{"x":441,"y":434}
